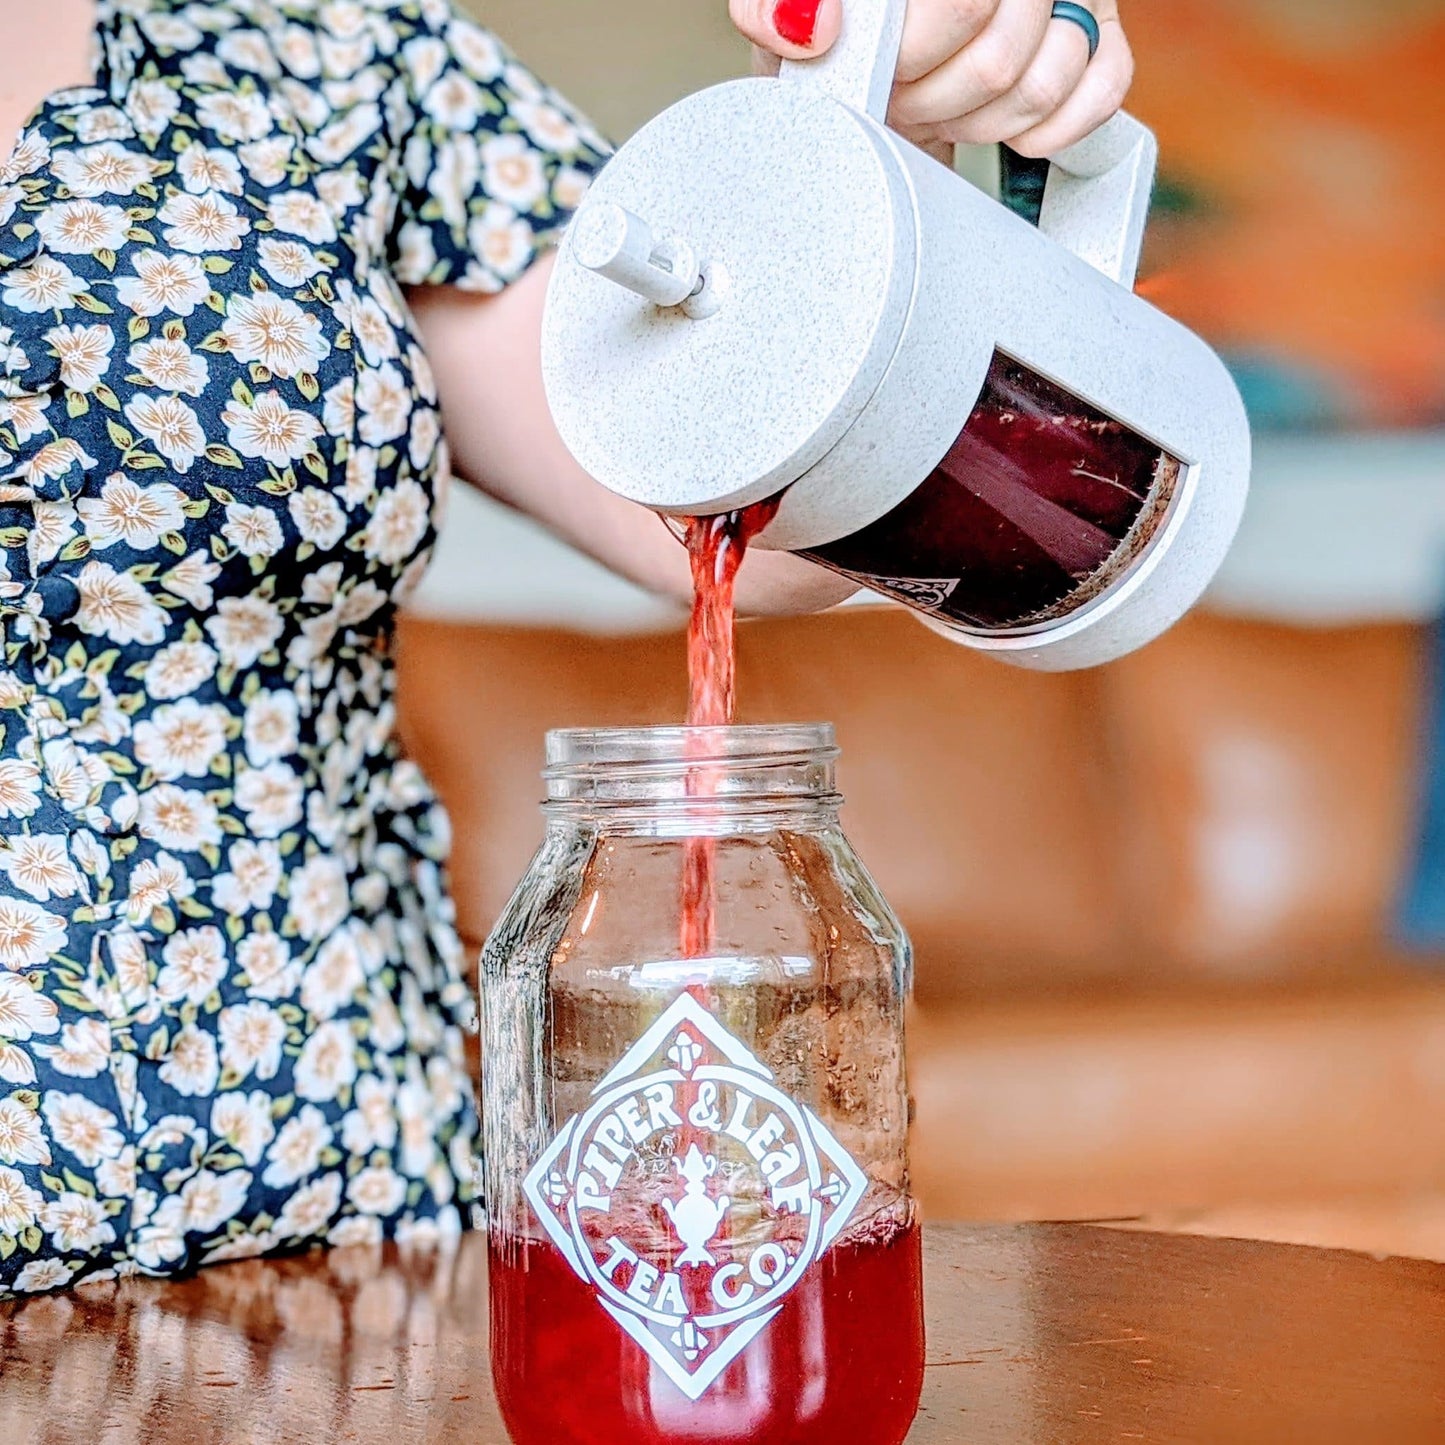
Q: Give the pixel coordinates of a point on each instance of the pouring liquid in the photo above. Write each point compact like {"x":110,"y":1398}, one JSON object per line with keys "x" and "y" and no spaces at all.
{"x":716,"y":547}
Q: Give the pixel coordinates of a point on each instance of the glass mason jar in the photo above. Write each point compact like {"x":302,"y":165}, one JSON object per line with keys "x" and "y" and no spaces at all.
{"x":696,"y":1157}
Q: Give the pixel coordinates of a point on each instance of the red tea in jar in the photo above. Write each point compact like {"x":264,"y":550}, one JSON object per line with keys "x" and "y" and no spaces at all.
{"x":843,"y":1360}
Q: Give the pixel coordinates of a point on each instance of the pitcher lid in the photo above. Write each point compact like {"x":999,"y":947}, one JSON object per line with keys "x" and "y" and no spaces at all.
{"x":798,"y":214}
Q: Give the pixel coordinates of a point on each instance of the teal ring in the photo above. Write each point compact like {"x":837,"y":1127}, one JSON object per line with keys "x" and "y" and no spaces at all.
{"x":1080,"y":16}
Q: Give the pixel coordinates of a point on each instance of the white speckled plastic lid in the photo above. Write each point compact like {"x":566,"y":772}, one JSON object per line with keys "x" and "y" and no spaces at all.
{"x":801,"y":216}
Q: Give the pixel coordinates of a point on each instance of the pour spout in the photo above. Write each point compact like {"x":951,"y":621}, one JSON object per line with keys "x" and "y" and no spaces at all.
{"x":610,"y":240}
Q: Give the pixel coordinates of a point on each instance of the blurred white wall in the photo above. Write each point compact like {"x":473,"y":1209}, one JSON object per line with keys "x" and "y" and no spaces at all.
{"x":1337,"y":530}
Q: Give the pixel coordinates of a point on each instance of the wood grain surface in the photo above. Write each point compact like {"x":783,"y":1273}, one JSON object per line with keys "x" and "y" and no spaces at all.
{"x":1037,"y":1333}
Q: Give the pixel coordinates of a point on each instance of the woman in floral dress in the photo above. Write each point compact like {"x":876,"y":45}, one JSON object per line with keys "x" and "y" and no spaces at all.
{"x":231,"y":998}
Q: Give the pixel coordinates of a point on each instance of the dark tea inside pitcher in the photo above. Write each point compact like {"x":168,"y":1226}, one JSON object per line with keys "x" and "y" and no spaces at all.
{"x":1039,"y":505}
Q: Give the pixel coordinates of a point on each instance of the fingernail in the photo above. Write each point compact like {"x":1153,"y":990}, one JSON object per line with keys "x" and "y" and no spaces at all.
{"x":795,"y":20}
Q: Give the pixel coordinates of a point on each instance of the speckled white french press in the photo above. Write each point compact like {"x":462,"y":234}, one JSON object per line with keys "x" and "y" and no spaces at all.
{"x":769,"y":292}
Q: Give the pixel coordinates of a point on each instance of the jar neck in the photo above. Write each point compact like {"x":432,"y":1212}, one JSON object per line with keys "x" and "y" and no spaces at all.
{"x":679,"y":781}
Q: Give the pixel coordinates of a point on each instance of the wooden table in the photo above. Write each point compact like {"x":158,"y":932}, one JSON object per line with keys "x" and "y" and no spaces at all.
{"x":1038,"y":1333}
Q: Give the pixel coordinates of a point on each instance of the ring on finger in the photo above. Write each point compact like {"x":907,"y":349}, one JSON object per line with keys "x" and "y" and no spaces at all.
{"x":1081,"y":16}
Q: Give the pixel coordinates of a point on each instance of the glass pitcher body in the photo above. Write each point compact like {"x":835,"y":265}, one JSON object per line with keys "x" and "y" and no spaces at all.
{"x":1041,"y":504}
{"x":696,"y":1157}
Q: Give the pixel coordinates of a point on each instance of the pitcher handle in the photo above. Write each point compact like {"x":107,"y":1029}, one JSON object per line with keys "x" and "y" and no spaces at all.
{"x":1096,"y":199}
{"x":858,"y":68}
{"x":1097,"y":196}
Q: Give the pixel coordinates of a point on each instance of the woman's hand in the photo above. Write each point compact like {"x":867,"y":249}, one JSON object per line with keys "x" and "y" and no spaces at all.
{"x":973,"y":71}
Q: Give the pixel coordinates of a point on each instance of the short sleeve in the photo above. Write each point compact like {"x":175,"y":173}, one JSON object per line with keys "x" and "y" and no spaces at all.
{"x":495,"y":162}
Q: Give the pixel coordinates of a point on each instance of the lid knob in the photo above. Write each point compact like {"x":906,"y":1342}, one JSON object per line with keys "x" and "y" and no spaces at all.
{"x":609,"y":239}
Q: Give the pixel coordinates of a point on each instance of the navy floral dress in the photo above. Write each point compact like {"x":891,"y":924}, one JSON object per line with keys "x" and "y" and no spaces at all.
{"x":230,"y":996}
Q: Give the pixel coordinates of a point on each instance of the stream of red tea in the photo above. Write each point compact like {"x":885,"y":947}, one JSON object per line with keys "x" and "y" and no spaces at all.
{"x":716,"y":547}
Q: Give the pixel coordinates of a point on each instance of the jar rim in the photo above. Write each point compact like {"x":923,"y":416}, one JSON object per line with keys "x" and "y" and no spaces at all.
{"x":736,"y":744}
{"x":692,"y":779}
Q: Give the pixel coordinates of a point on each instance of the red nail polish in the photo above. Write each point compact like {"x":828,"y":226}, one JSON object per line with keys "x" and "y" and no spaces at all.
{"x":795,"y":20}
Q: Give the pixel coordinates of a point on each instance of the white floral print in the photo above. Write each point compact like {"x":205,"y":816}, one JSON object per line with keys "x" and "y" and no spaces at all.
{"x":179,"y":669}
{"x":39,"y":864}
{"x":81,"y":228}
{"x":252,"y":531}
{"x":398,"y":524}
{"x":105,"y":169}
{"x":156,"y":883}
{"x":208,"y":222}
{"x":171,"y":366}
{"x":385,"y":404}
{"x":22,"y":1140}
{"x":151,"y":106}
{"x":162,"y":283}
{"x":288,"y":263}
{"x":513,"y":171}
{"x":270,"y":728}
{"x":318,"y":516}
{"x":82,"y":1127}
{"x":272,"y":799}
{"x":244,"y":1122}
{"x":115,"y":606}
{"x":271,"y":970}
{"x":19,"y":788}
{"x":19,"y":1203}
{"x":298,"y":1147}
{"x":136,"y":513}
{"x":181,"y":739}
{"x":270,"y":429}
{"x":302,"y":214}
{"x":195,"y":963}
{"x":83,"y":352}
{"x":250,"y":883}
{"x":275,"y":332}
{"x":319,"y":897}
{"x":202,"y":168}
{"x":172,"y":425}
{"x":43,"y":286}
{"x":179,"y":818}
{"x":29,"y":934}
{"x":244,"y":628}
{"x":191,"y":1068}
{"x":230,"y":998}
{"x":76,"y":1222}
{"x":235,"y":117}
{"x":82,"y":1052}
{"x":251,"y":1038}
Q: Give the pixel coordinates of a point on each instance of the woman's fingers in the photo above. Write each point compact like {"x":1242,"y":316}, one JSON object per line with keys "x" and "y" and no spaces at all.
{"x":792,"y":29}
{"x":988,"y":66}
{"x":933,"y":30}
{"x":1098,"y":95}
{"x":936,"y":30}
{"x":972,"y":71}
{"x":1051,"y":79}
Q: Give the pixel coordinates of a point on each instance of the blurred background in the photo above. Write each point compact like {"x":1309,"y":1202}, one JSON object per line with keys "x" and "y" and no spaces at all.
{"x":1180,"y":921}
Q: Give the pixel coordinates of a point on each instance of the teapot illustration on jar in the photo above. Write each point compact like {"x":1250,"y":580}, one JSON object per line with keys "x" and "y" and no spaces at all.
{"x":695,"y":1217}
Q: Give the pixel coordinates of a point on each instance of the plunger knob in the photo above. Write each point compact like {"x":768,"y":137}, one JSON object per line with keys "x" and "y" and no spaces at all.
{"x":610,"y":240}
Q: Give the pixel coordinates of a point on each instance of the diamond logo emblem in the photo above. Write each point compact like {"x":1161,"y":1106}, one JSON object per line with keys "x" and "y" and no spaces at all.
{"x":692,"y":1195}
